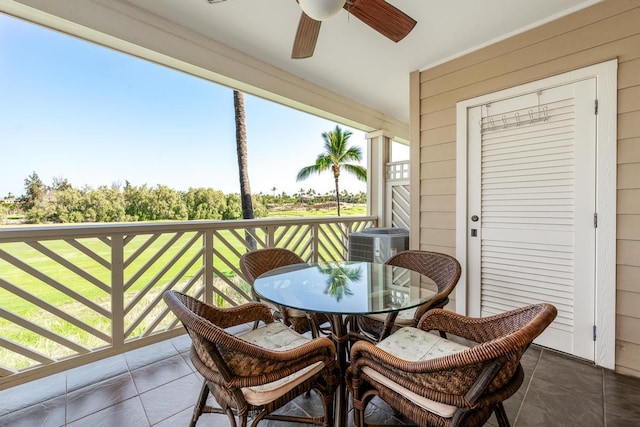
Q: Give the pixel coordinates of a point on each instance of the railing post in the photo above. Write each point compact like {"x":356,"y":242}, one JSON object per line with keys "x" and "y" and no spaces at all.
{"x":117,"y":290}
{"x":348,"y":228}
{"x":271,"y":237}
{"x":208,"y":262}
{"x":315,"y":233}
{"x":378,"y":144}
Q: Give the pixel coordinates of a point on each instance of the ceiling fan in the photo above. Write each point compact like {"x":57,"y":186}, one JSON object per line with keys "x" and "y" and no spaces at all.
{"x":386,"y":19}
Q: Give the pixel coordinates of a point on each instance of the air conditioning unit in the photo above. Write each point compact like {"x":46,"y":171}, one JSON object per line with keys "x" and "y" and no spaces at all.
{"x":377,"y":244}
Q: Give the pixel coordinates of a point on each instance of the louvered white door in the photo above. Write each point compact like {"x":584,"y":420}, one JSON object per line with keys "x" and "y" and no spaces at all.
{"x":532,"y":196}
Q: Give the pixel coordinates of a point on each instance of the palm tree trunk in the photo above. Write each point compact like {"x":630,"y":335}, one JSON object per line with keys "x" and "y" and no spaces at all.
{"x":243,"y":168}
{"x":338,"y":195}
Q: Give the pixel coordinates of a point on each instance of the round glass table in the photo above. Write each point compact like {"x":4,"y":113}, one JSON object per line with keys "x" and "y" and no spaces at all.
{"x":342,"y":290}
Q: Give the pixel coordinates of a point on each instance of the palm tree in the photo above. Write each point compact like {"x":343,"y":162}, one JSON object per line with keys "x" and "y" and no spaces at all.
{"x":243,"y":168}
{"x":336,"y":156}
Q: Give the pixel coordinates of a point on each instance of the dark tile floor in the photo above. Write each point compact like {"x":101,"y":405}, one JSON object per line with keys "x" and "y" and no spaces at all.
{"x":157,"y":386}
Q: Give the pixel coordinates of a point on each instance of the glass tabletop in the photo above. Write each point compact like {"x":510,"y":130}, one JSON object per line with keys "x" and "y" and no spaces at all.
{"x":349,"y":287}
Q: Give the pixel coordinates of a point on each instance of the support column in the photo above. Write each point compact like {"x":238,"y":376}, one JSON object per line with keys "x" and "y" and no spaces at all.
{"x":379,"y":147}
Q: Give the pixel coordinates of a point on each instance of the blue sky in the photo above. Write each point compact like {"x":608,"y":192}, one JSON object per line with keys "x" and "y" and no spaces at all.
{"x":72,"y":109}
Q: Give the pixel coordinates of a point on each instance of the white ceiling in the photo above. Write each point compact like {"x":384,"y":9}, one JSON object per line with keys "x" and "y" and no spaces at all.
{"x":352,"y":59}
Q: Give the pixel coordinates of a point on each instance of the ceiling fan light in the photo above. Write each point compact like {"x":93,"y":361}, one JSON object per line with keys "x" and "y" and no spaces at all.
{"x":321,"y":10}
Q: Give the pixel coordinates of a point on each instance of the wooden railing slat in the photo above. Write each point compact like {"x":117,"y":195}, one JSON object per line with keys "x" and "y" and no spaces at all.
{"x":70,"y":266}
{"x":53,"y":283}
{"x":94,"y":256}
{"x":53,"y":310}
{"x":27,"y":324}
{"x":161,"y":251}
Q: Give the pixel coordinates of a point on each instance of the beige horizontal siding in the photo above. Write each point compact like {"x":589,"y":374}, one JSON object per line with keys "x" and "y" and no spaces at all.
{"x":438,"y":186}
{"x":446,"y":117}
{"x":438,"y":135}
{"x":626,"y":329}
{"x":629,"y":99}
{"x":610,"y":29}
{"x":561,"y":64}
{"x":440,"y":169}
{"x":627,"y":304}
{"x":445,"y":220}
{"x":445,"y":250}
{"x":446,"y":203}
{"x":629,"y":151}
{"x":628,"y":174}
{"x":629,"y":201}
{"x":628,"y":74}
{"x":628,"y":252}
{"x":438,"y":236}
{"x":628,"y":279}
{"x":438,"y":153}
{"x":629,"y":124}
{"x":629,"y":228}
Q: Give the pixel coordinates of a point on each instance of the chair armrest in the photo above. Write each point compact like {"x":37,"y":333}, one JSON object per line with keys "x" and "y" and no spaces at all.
{"x":480,"y":330}
{"x":234,"y":316}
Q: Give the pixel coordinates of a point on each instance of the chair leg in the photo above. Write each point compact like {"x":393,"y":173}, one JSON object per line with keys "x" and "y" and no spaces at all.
{"x":202,"y":399}
{"x":501,"y":415}
{"x":329,"y":414}
{"x":232,"y":417}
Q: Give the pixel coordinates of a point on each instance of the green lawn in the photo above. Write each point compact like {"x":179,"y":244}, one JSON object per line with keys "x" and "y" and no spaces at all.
{"x":345,"y":210}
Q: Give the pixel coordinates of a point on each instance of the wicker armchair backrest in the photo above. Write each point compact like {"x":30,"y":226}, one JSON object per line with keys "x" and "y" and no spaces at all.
{"x":443,"y":269}
{"x":257,"y":262}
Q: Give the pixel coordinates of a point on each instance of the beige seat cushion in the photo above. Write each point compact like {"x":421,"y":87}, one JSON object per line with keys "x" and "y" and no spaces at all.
{"x":414,"y":345}
{"x":276,"y":336}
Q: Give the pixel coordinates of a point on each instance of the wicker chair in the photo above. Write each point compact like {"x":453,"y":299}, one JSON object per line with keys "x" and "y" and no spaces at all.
{"x":257,"y":262}
{"x":443,"y":269}
{"x":433,"y":381}
{"x":254,"y":374}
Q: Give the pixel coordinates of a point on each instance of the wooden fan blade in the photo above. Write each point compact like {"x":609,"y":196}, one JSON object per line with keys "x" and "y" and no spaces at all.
{"x":386,"y":19}
{"x":306,"y":37}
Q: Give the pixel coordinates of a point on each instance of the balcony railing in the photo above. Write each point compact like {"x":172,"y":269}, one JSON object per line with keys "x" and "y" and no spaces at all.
{"x":73,"y":294}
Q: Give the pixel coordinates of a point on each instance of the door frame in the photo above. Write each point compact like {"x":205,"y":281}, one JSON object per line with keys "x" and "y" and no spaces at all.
{"x":606,"y":168}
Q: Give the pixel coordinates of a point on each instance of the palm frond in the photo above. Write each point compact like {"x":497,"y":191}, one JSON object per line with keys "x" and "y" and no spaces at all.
{"x":358,"y":171}
{"x":306,"y":172}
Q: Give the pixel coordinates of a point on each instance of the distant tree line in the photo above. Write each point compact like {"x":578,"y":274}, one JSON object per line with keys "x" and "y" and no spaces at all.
{"x":60,"y":202}
{"x":309,"y":197}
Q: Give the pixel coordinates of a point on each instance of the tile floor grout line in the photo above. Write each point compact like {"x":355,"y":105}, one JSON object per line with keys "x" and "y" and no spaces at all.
{"x":604,"y":399}
{"x":526,"y":390}
{"x":66,"y":397}
{"x":135,"y":386}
